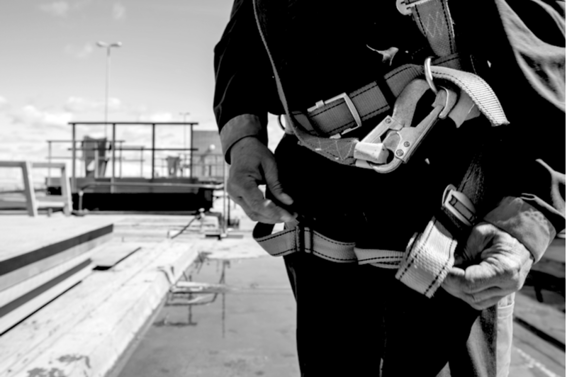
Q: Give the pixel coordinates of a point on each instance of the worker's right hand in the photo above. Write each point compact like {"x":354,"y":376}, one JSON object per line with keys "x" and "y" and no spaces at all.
{"x":253,"y":164}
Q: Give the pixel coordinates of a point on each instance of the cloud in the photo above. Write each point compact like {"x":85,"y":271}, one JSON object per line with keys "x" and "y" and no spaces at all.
{"x":84,"y":105}
{"x":3,"y":103}
{"x":80,"y":105}
{"x":58,"y":8}
{"x":80,"y":52}
{"x":118,"y":11}
{"x":31,"y":115}
{"x":156,"y":117}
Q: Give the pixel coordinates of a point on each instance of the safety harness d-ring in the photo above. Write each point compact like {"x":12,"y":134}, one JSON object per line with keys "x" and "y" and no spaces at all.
{"x":429,"y":75}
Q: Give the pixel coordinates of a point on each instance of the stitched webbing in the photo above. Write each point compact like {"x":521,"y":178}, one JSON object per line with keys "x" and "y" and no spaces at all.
{"x":297,"y":239}
{"x":434,"y":21}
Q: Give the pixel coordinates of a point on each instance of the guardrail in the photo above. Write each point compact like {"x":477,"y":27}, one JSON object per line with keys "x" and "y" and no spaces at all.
{"x":52,"y":201}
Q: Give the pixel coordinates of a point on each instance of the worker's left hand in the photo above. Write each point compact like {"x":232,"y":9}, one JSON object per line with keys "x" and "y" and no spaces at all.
{"x":496,"y":265}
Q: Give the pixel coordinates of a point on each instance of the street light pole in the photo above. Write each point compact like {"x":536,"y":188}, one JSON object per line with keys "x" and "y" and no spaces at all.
{"x":108,"y":47}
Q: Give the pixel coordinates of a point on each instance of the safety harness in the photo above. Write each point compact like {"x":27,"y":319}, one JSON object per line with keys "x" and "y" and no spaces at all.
{"x":324,"y":129}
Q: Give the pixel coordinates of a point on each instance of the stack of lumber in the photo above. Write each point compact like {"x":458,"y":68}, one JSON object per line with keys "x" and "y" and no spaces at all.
{"x":90,"y":329}
{"x":40,"y":258}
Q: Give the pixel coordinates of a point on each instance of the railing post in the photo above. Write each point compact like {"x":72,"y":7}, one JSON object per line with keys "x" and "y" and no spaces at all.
{"x":28,"y":189}
{"x":113,"y":146}
{"x":153,"y":151}
{"x":49,"y":160}
{"x":66,"y":191}
{"x":74,"y":156}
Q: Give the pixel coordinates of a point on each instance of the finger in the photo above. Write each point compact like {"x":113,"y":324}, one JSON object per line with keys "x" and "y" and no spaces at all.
{"x":255,"y":216}
{"x":473,"y":279}
{"x":273,"y":183}
{"x":477,"y":241}
{"x":259,"y":208}
{"x":478,"y":300}
{"x":486,"y":295}
{"x":244,"y":189}
{"x":486,"y":303}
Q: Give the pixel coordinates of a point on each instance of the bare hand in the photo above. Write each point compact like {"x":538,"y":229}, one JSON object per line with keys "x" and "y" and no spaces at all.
{"x":253,"y":164}
{"x":497,"y":266}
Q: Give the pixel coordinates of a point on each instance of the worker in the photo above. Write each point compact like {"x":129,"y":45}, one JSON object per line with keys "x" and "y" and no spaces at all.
{"x":420,"y":176}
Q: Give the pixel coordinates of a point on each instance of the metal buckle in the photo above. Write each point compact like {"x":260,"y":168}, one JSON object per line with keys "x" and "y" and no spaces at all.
{"x":429,"y":75}
{"x":350,"y":106}
{"x":459,"y":205}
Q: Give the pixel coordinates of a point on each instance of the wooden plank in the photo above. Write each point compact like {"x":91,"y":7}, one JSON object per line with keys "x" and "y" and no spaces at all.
{"x":106,"y":331}
{"x":531,"y":353}
{"x":550,"y":267}
{"x":102,"y":314}
{"x":543,"y":318}
{"x":110,"y":255}
{"x":29,"y":270}
{"x":15,"y":291}
{"x":30,"y":306}
{"x":553,"y":261}
{"x":23,"y":235}
{"x":556,"y":250}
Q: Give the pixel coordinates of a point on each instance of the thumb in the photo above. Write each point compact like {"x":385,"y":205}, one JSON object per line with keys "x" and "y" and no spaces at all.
{"x":478,"y":240}
{"x":273,"y":182}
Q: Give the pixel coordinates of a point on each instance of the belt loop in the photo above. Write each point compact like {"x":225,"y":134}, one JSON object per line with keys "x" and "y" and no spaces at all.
{"x":304,"y":238}
{"x":300,"y":234}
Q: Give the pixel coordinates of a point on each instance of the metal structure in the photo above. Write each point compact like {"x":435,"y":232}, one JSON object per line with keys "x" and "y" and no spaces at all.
{"x":113,"y":144}
{"x":105,"y":188}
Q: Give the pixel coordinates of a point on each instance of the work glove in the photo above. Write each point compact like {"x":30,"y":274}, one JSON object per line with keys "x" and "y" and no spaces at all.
{"x":492,"y":265}
{"x":253,"y":164}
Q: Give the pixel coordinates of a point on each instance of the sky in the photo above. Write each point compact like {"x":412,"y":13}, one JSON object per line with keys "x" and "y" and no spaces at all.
{"x":52,"y":72}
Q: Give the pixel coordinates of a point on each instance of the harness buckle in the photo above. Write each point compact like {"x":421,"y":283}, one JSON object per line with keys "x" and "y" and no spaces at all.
{"x":351,"y":108}
{"x":394,"y":141}
{"x":459,"y":206}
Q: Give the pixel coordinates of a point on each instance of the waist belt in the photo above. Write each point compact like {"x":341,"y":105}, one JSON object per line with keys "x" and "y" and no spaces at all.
{"x":322,"y":128}
{"x":300,"y":238}
{"x":423,"y":266}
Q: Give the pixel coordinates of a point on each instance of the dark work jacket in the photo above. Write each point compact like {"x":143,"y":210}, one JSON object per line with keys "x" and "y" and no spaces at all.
{"x":319,"y":50}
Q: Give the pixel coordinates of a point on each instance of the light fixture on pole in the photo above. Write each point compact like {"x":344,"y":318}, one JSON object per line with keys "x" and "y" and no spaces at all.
{"x":108,"y":47}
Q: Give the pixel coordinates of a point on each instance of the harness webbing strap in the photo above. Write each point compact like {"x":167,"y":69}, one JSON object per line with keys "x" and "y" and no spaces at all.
{"x":428,"y":259}
{"x":389,"y":259}
{"x":297,"y":238}
{"x":313,"y":129}
{"x":433,"y":19}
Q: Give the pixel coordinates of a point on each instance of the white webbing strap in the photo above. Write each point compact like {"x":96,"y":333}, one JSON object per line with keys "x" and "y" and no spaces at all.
{"x":428,"y":259}
{"x":389,"y":259}
{"x":304,"y":239}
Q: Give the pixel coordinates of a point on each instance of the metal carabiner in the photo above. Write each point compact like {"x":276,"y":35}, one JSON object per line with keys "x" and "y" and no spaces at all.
{"x":395,"y":137}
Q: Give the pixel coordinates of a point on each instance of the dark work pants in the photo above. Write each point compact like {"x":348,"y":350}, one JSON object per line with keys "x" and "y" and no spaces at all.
{"x":359,"y":320}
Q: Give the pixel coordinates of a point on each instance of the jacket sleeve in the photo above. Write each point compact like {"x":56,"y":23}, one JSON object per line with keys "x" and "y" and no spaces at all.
{"x":524,"y":43}
{"x":242,"y":79}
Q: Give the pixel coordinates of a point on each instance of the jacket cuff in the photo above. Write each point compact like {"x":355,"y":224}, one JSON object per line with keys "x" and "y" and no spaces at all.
{"x":238,"y":128}
{"x":525,"y":223}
